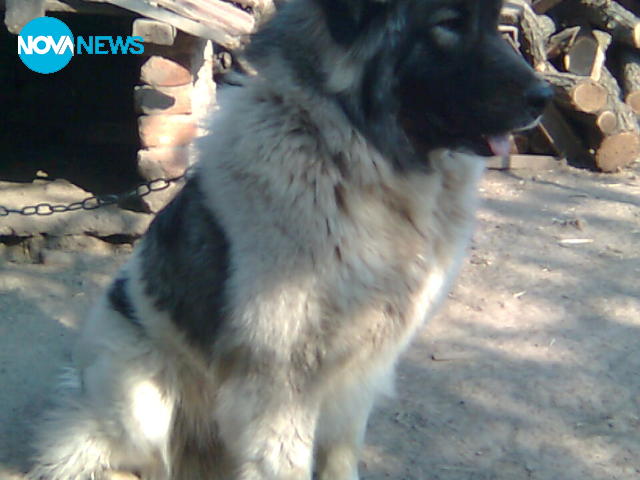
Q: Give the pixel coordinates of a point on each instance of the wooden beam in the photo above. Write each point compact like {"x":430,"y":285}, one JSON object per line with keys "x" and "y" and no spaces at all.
{"x":524,"y":162}
{"x":210,"y":32}
{"x":216,"y":13}
{"x":83,"y":7}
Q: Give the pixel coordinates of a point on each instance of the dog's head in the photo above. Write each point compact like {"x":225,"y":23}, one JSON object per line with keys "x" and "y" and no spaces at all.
{"x":454,"y":81}
{"x":417,"y":75}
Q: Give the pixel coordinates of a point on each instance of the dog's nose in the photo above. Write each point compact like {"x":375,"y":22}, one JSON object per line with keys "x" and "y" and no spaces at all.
{"x":538,"y":96}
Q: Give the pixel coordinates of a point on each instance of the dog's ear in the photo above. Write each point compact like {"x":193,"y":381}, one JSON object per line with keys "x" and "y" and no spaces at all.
{"x":348,"y":19}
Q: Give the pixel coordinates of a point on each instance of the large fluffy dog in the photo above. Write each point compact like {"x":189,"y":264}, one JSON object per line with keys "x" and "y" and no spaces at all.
{"x":250,"y":333}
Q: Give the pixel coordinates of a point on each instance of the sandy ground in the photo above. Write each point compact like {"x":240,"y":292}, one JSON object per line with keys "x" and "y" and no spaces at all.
{"x":530,"y":372}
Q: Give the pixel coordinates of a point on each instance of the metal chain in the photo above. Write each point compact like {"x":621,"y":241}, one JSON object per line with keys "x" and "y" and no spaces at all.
{"x":95,"y":201}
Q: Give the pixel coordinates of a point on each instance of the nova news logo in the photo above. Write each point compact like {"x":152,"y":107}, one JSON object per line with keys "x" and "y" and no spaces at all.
{"x":46,"y":45}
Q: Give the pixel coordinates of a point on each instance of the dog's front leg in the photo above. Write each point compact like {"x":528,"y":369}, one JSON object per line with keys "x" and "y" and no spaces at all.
{"x":268,"y":428}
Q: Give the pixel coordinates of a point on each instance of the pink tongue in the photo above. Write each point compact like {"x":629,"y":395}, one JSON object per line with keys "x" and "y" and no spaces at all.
{"x":500,"y":145}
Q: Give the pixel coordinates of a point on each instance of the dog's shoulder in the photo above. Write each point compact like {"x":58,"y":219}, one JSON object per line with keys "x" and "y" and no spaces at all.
{"x":184,"y":264}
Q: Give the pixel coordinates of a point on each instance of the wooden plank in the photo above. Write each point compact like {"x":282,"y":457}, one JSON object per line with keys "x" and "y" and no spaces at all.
{"x":523,"y":162}
{"x":210,"y":32}
{"x":212,"y":12}
{"x":84,"y":7}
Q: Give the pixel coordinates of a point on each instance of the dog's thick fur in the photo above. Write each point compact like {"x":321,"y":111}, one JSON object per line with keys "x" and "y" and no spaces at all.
{"x":256,"y":323}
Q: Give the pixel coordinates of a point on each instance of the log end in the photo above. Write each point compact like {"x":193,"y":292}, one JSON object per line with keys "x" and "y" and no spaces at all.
{"x":618,"y":151}
{"x":633,"y":100}
{"x":607,"y":122}
{"x":589,"y":97}
{"x":636,"y":35}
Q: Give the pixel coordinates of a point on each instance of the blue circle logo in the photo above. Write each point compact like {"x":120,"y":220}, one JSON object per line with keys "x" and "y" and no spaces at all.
{"x":45,"y":45}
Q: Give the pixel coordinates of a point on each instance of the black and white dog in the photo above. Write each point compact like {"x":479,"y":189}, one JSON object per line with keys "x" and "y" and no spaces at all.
{"x":256,"y":323}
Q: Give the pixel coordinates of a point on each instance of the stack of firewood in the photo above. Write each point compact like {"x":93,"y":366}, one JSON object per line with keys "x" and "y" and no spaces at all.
{"x":589,"y":50}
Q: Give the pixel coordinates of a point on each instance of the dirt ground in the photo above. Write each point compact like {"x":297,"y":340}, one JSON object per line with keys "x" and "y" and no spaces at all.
{"x":530,"y":372}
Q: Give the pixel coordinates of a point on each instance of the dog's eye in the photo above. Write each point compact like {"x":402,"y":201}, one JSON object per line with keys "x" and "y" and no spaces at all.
{"x":453,"y":24}
{"x":449,"y":19}
{"x":448,"y":27}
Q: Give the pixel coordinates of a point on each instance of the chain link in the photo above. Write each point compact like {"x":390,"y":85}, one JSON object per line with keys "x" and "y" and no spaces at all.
{"x":94,"y":202}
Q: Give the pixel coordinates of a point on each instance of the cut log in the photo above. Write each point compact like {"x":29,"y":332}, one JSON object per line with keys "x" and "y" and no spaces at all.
{"x":631,"y":79}
{"x":578,"y":93}
{"x":617,"y":151}
{"x":586,"y":55}
{"x":541,"y":6}
{"x":614,"y":117}
{"x":536,"y":30}
{"x":609,"y":15}
{"x":599,"y":124}
{"x":607,"y":122}
{"x":620,"y":146}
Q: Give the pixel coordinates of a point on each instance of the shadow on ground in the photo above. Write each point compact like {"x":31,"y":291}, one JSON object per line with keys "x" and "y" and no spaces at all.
{"x":530,"y":372}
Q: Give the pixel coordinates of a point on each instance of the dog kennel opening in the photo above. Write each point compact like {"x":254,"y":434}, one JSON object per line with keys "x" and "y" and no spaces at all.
{"x":77,"y":124}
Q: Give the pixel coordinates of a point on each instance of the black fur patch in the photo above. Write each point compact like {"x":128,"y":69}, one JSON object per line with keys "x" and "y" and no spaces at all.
{"x":120,"y":301}
{"x":347,"y":19}
{"x":185,"y":266}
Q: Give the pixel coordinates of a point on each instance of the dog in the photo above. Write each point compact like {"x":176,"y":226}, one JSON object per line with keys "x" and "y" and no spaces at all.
{"x":261,"y":316}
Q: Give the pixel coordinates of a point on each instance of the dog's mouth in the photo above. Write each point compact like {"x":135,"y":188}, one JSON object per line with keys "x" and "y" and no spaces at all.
{"x":498,"y":145}
{"x":489,"y":145}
